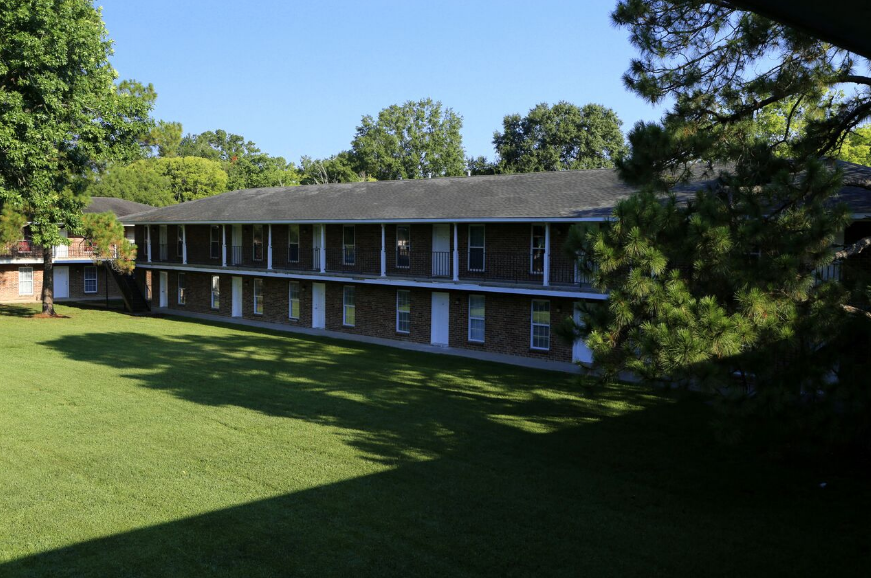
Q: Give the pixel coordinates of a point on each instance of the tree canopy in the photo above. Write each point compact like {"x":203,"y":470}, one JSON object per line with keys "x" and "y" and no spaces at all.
{"x":62,"y":117}
{"x":722,"y":288}
{"x":414,"y":140}
{"x":559,"y":137}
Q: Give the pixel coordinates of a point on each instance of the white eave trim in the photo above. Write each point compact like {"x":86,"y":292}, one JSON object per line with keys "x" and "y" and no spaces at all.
{"x":379,"y":221}
{"x":318,"y":277}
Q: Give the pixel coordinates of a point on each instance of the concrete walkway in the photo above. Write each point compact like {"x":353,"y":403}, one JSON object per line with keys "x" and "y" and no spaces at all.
{"x":478,"y":355}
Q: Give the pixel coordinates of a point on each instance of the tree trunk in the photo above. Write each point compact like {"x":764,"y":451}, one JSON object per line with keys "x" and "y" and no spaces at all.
{"x":47,"y":281}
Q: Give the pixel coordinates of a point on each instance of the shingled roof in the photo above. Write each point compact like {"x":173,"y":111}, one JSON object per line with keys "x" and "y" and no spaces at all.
{"x":563,"y":195}
{"x":120,"y":207}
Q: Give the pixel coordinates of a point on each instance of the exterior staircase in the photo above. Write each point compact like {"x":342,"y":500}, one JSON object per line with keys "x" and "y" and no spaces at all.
{"x":134,"y":300}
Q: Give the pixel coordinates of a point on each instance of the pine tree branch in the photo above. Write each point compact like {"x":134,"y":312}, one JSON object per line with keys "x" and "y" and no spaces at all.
{"x":854,"y":249}
{"x":856,"y":311}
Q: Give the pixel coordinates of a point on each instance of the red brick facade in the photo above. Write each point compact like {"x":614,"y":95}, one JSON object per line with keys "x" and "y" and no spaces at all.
{"x":507,"y":316}
{"x":10,"y":291}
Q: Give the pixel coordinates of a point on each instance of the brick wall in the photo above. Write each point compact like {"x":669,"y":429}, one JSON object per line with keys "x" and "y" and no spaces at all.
{"x":9,"y":283}
{"x":507,"y":317}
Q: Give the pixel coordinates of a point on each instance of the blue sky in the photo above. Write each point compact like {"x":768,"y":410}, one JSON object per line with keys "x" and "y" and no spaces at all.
{"x":295,"y":77}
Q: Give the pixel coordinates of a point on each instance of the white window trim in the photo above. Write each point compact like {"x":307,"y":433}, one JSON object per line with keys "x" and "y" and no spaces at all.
{"x":407,"y":248}
{"x":289,"y":244}
{"x":212,"y":292}
{"x":290,"y":300}
{"x":482,"y":247}
{"x":180,"y":287}
{"x":345,"y":246}
{"x":345,"y":306}
{"x":398,"y":330}
{"x":30,"y":269}
{"x":254,"y":295}
{"x":533,"y":325}
{"x":85,"y":280}
{"x":483,"y":319}
{"x":533,"y":249}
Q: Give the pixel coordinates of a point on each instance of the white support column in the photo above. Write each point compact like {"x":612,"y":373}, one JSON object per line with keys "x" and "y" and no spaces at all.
{"x":546,"y":254}
{"x":269,"y":250}
{"x":323,"y":254}
{"x":223,"y":245}
{"x":184,"y":244}
{"x":383,"y":252}
{"x":456,"y":255}
{"x":148,"y":242}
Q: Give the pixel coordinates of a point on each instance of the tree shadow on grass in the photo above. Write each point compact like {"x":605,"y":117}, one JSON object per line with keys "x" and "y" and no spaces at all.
{"x":7,"y":310}
{"x":524,"y":478}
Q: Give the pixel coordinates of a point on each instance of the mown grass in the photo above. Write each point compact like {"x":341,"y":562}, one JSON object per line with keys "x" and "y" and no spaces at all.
{"x":165,"y":447}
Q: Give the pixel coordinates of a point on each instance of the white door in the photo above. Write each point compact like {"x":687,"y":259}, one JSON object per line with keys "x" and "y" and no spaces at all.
{"x":441,"y":250}
{"x":61,"y":282}
{"x":236,"y":247}
{"x":62,"y":251}
{"x":441,"y":308}
{"x":318,"y":305}
{"x":237,"y":297}
{"x":164,"y":289}
{"x":580,"y":352}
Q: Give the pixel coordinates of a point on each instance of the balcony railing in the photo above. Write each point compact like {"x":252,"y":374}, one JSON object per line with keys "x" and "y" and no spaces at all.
{"x":77,"y":249}
{"x":295,"y":259}
{"x":353,"y":260}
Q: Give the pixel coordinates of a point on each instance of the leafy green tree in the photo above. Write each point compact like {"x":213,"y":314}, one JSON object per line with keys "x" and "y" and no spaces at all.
{"x":106,"y":236}
{"x":166,"y":137}
{"x":335,"y":169}
{"x":481,"y":166}
{"x":857,"y":147}
{"x":61,"y":116}
{"x":190,"y":178}
{"x":218,"y":145}
{"x":719,"y":288}
{"x":414,"y":140}
{"x":138,"y":181}
{"x":559,"y":137}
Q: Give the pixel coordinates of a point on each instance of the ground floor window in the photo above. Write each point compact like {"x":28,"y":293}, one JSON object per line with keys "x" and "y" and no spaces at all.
{"x":540,"y":324}
{"x":181,"y":289}
{"x":258,"y":296}
{"x":90,"y":279}
{"x":293,"y":300}
{"x":403,"y":311}
{"x":476,"y":318}
{"x":216,"y":292}
{"x":25,"y":280}
{"x":349,"y":311}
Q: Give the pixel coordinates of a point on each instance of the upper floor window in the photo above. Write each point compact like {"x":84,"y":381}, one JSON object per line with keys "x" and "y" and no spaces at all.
{"x":476,"y":247}
{"x":349,"y":252}
{"x":182,"y":296}
{"x":293,"y":243}
{"x":90,"y":279}
{"x":180,"y":240}
{"x":215,"y":242}
{"x":403,"y":246}
{"x":540,"y":324}
{"x":162,"y":240}
{"x":25,"y":280}
{"x":258,"y":242}
{"x":258,"y":296}
{"x":537,"y":249}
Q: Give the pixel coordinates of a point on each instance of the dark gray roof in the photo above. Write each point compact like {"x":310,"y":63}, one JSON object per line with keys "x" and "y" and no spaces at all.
{"x":589,"y":194}
{"x":120,"y":207}
{"x":856,"y":191}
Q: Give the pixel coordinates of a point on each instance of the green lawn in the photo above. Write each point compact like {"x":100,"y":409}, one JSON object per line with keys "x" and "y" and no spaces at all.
{"x":166,"y":447}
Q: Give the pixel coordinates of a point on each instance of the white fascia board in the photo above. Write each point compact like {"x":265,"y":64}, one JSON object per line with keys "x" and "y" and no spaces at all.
{"x":387,"y":221}
{"x":444,"y":285}
{"x":20,"y":261}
